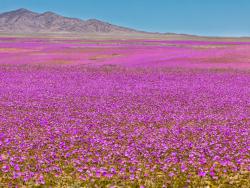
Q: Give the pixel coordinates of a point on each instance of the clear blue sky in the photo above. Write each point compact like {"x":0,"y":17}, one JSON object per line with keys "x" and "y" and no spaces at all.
{"x":201,"y":17}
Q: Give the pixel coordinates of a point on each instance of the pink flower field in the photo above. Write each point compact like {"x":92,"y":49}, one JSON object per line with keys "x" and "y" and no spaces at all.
{"x":124,"y":113}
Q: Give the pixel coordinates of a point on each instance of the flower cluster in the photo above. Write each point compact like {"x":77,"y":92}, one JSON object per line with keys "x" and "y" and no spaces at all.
{"x":128,"y":126}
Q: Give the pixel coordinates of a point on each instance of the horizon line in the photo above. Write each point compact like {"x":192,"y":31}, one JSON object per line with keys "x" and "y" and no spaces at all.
{"x":137,"y":29}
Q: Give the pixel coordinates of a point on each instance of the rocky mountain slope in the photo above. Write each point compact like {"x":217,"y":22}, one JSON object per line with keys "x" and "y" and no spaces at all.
{"x":26,"y":21}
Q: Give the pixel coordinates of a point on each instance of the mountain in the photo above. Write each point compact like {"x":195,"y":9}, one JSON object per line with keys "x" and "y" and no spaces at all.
{"x":26,"y":21}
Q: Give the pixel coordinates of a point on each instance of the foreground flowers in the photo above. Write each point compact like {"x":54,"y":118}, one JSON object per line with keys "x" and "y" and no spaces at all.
{"x":107,"y":126}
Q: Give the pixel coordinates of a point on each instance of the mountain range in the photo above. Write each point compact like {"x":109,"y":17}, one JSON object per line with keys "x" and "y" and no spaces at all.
{"x":23,"y":21}
{"x":26,"y":21}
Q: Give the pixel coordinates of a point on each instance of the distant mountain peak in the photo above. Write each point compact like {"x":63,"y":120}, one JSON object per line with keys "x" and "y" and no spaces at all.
{"x":93,"y":20}
{"x":21,"y":10}
{"x":49,"y":13}
{"x":16,"y":13}
{"x":25,"y":21}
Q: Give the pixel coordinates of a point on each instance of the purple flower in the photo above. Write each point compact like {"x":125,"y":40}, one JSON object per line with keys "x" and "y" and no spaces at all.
{"x":202,"y":173}
{"x":5,"y":168}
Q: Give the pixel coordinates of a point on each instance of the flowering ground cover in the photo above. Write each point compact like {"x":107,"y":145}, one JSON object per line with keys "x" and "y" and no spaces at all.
{"x":124,"y":113}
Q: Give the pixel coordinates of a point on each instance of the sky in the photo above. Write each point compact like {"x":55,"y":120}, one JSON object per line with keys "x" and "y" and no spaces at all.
{"x":199,"y":17}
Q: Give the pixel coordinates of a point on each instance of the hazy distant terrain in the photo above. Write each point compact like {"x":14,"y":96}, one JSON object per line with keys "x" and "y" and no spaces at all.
{"x":136,"y":52}
{"x":25,"y":21}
